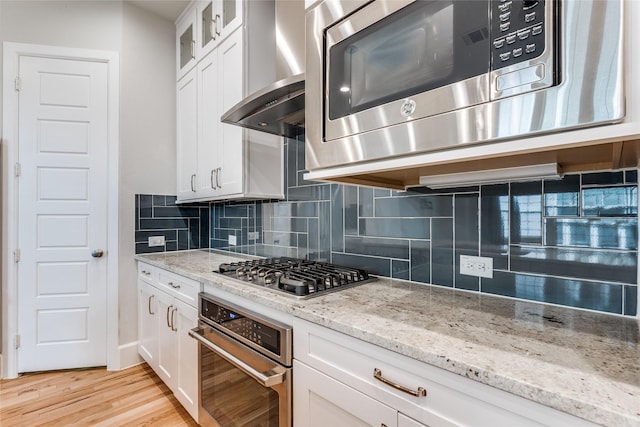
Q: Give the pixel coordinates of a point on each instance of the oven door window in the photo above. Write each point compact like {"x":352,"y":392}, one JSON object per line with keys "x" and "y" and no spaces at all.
{"x":232,"y":397}
{"x":423,"y":46}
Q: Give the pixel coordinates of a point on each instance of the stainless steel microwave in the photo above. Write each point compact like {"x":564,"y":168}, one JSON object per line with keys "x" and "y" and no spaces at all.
{"x":391,"y":78}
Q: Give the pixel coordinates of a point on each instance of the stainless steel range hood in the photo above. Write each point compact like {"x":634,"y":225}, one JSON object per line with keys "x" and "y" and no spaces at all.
{"x":279,"y":108}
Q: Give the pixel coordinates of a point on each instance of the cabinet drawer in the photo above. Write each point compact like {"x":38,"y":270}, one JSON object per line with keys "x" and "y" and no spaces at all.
{"x":147,"y":272}
{"x":181,"y":287}
{"x":353,"y":362}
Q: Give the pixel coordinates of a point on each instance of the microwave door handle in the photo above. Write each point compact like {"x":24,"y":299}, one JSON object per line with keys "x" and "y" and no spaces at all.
{"x":265,"y":380}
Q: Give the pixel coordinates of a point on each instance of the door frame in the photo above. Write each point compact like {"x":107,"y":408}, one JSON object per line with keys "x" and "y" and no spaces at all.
{"x":11,"y":59}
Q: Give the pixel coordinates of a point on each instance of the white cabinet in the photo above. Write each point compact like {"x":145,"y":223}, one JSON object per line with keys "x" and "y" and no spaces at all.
{"x":329,"y":366}
{"x":187,"y":130}
{"x":323,"y":401}
{"x":186,"y":45}
{"x":166,"y":312}
{"x":217,"y":19}
{"x":210,"y":153}
{"x":201,"y":27}
{"x":147,"y":331}
{"x":167,"y":354}
{"x":404,"y":421}
{"x":219,"y":161}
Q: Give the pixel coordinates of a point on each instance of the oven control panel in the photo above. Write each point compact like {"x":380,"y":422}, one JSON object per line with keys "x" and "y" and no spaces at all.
{"x":246,"y":326}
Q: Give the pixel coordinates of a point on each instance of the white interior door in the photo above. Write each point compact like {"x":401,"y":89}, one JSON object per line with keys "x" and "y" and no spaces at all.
{"x":62,"y":213}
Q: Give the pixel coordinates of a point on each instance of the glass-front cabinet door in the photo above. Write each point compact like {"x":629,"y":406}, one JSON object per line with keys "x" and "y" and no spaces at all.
{"x":207,"y":20}
{"x":229,"y":17}
{"x":217,"y":20}
{"x":186,"y":45}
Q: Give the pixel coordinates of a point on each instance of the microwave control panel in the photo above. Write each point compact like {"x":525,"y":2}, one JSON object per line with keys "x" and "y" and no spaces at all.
{"x":518,"y":28}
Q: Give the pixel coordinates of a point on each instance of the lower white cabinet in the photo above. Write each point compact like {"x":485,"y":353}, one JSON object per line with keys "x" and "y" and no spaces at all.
{"x":342,"y":381}
{"x":323,"y":401}
{"x":166,"y":313}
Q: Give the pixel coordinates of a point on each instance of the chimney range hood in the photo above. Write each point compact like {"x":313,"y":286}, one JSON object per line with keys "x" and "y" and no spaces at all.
{"x":279,"y":107}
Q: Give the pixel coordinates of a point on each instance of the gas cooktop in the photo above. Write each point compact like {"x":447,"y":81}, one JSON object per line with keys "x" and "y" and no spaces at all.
{"x":299,"y":277}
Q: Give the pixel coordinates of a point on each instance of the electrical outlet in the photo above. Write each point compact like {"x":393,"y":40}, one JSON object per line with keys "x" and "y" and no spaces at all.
{"x":156,"y":241}
{"x":253,"y":235}
{"x":476,"y":266}
{"x":232,"y":240}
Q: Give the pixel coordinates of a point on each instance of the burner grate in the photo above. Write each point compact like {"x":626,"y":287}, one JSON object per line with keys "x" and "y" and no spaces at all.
{"x":295,"y":276}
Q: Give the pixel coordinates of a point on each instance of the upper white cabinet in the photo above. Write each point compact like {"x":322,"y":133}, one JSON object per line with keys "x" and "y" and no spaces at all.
{"x":217,"y":20}
{"x":186,"y":45}
{"x":217,"y":161}
{"x":187,"y":133}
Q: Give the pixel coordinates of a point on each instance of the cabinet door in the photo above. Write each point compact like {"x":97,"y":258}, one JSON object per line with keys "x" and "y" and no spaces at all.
{"x":186,"y":318}
{"x":228,"y":17}
{"x":230,"y":90}
{"x":320,"y":401}
{"x":404,"y":421}
{"x":167,"y":340}
{"x":186,"y":46}
{"x":207,"y":27}
{"x":147,"y":324}
{"x":208,"y":181}
{"x":187,"y":135}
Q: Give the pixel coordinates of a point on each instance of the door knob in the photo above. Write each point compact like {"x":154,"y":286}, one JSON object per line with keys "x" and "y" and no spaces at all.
{"x":97,"y":253}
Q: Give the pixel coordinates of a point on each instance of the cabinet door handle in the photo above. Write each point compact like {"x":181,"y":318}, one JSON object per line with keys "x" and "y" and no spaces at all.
{"x":193,"y":185}
{"x":149,"y":304}
{"x":218,"y":177}
{"x":420,"y":392}
{"x":173,"y":320}
{"x":212,"y":29}
{"x":193,"y":49}
{"x":168,"y":319}
{"x":216,"y":21}
{"x":213,"y":172}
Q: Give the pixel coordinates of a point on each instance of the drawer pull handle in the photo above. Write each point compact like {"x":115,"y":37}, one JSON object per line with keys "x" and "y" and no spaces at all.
{"x":174,"y":286}
{"x":146,"y":273}
{"x":420,"y":392}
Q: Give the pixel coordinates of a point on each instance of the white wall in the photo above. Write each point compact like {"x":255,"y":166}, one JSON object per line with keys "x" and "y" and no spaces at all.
{"x":146,"y":46}
{"x":147,"y":136}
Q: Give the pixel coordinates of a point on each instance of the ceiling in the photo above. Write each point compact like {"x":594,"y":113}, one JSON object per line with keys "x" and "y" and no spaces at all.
{"x":169,"y":9}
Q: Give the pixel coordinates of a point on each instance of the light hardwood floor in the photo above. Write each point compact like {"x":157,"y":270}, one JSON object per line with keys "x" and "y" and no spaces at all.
{"x":90,"y":397}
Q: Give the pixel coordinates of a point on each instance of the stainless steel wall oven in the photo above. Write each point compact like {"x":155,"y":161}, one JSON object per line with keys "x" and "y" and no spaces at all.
{"x":244,"y":367}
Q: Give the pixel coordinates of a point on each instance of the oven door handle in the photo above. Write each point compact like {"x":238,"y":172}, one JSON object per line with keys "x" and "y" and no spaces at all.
{"x":265,"y":380}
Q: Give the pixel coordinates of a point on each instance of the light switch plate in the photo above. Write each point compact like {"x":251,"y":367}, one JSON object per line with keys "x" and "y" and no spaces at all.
{"x":156,"y":241}
{"x":232,"y":240}
{"x":476,"y":266}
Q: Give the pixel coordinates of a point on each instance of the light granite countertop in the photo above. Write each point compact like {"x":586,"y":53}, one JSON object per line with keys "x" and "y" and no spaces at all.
{"x":583,"y":363}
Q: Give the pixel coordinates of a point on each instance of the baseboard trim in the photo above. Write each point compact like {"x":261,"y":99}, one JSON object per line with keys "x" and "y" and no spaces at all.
{"x":128,"y":356}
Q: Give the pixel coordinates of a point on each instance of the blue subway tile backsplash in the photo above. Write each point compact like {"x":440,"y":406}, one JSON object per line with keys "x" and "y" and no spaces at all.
{"x":183,"y":226}
{"x":572,"y":241}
